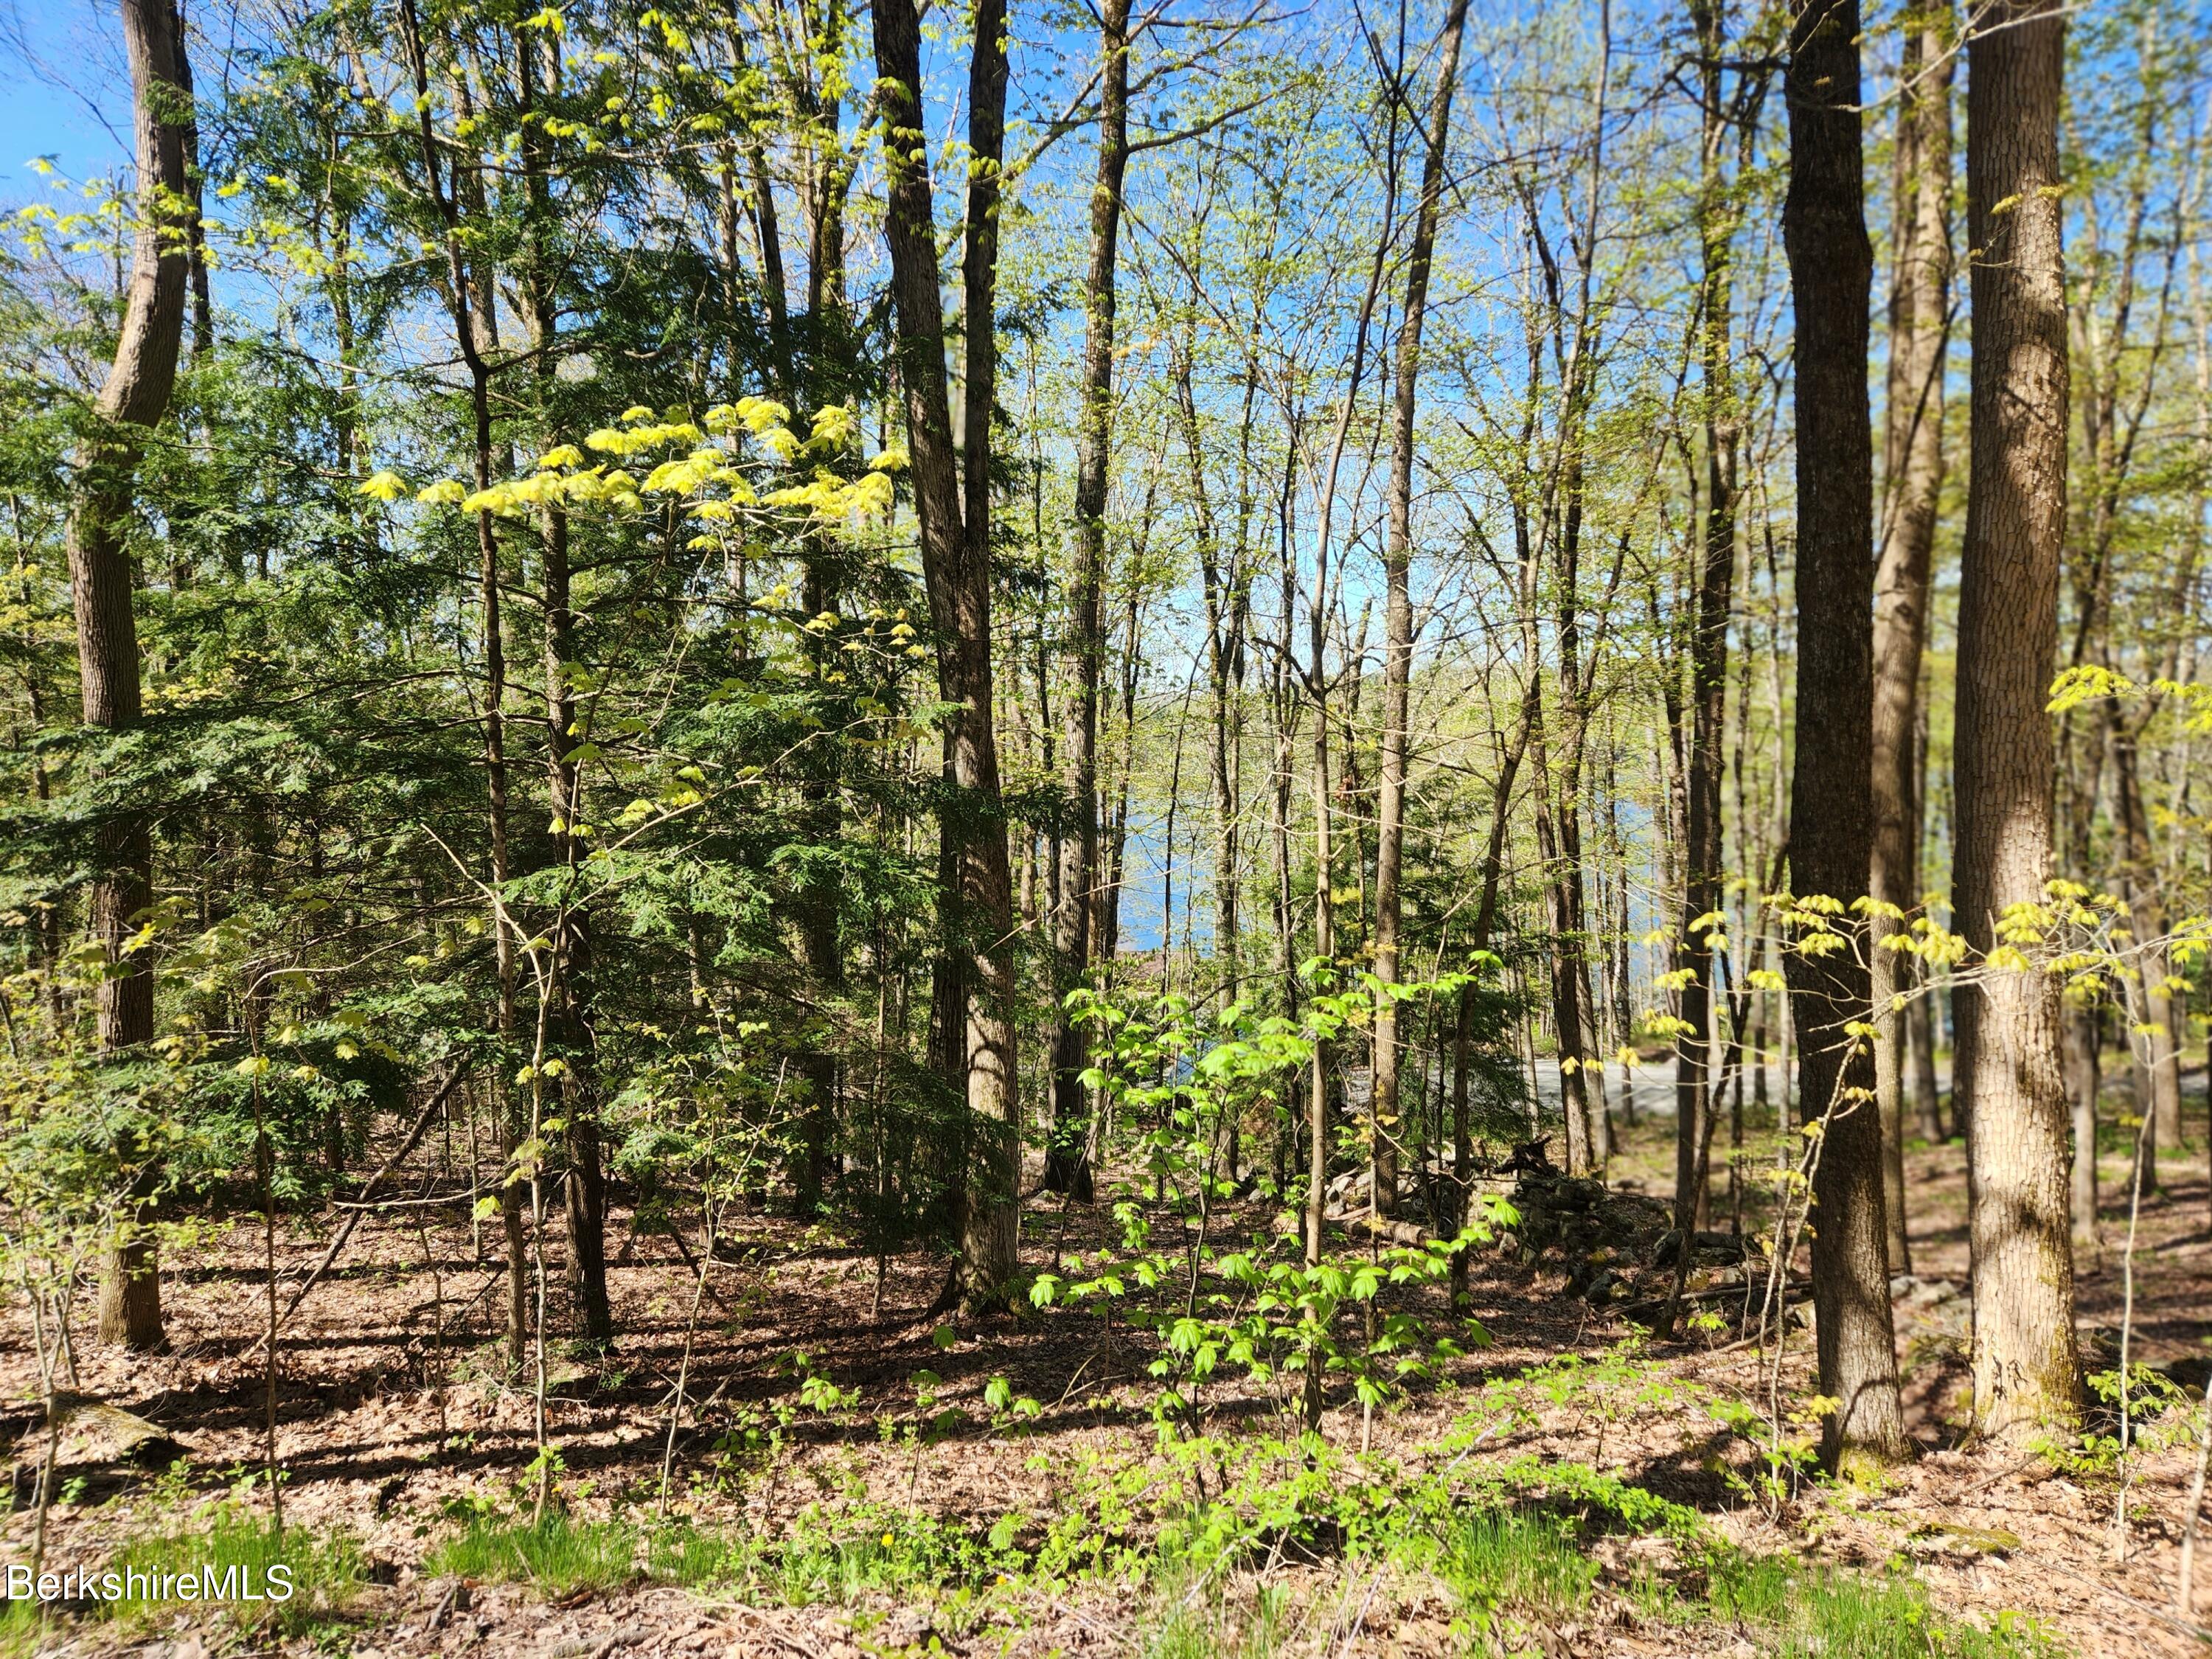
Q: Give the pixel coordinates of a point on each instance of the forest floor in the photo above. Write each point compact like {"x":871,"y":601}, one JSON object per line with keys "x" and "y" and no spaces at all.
{"x":891,"y":1542}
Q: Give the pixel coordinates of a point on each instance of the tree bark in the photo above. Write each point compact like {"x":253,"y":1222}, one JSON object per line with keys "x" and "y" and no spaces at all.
{"x":468,"y":294}
{"x":569,"y":1036}
{"x":2080,"y":1030}
{"x":1920,"y":1017}
{"x":953,"y":506}
{"x":2158,"y":1068}
{"x":1912,"y":477}
{"x":1831,"y":271}
{"x":569,"y":1029}
{"x":2006,"y":1082}
{"x":1703,"y":849}
{"x":1398,"y":620}
{"x":1068,"y":1169}
{"x":132,"y":400}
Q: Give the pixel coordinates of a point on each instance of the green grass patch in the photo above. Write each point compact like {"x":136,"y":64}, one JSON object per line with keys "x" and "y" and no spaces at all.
{"x":23,"y":1628}
{"x":231,"y":1555}
{"x":559,"y":1555}
{"x":1527,"y":1561}
{"x":697,"y":1558}
{"x":837,"y":1556}
{"x":1516,"y":1548}
{"x":828,"y":1555}
{"x":1194,"y":1621}
{"x":1510,"y":1569}
{"x":1796,"y":1610}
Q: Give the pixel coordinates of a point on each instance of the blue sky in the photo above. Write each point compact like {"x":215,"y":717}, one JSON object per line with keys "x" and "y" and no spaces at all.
{"x":60,"y":68}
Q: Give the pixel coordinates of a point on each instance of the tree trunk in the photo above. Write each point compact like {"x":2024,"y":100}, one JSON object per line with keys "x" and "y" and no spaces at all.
{"x":1912,"y":477}
{"x":2081,"y":1029}
{"x":468,"y":292}
{"x":569,"y":1021}
{"x":2006,"y":1079}
{"x":569,"y":1029}
{"x":818,"y":941}
{"x":1704,"y":847}
{"x":1927,"y":1087}
{"x":1398,"y":622}
{"x":1830,"y":268}
{"x":1066,"y":1169}
{"x":2158,"y":1049}
{"x":952,"y":505}
{"x":133,"y":400}
{"x":1920,"y":1015}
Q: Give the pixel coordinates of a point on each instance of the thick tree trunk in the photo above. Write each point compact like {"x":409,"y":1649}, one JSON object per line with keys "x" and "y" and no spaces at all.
{"x":133,"y":399}
{"x":2006,"y":1082}
{"x":952,"y":503}
{"x":1831,"y":270}
{"x":1068,"y":1169}
{"x":1398,"y":620}
{"x":1912,"y":477}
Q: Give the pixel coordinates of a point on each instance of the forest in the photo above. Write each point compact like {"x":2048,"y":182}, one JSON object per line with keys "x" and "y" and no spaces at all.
{"x":1154,"y":826}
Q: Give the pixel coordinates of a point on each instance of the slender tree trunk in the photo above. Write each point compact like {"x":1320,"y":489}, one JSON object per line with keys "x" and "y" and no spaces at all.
{"x":2160,"y":1067}
{"x":1912,"y":477}
{"x":819,"y":946}
{"x":1560,"y":891}
{"x":1114,"y":828}
{"x":1324,"y":948}
{"x":1317,"y":687}
{"x":1704,"y":851}
{"x":952,"y":504}
{"x":1831,"y":270}
{"x":131,"y":402}
{"x":1067,"y":1168}
{"x":1398,"y":621}
{"x":570,"y":1033}
{"x":2080,"y":1029}
{"x":470,"y":295}
{"x":2006,"y":1082}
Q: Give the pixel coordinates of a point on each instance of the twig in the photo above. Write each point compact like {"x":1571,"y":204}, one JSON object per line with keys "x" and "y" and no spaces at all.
{"x":436,"y":1201}
{"x":2185,"y":1625}
{"x":676,"y":1238}
{"x":1989,"y":1480}
{"x":1359,"y":1619}
{"x":789,"y":1642}
{"x":415,"y":1134}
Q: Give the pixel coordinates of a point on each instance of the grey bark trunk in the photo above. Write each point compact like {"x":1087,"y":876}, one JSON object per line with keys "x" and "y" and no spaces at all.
{"x":1398,"y":620}
{"x":1912,"y":477}
{"x":1068,"y":1169}
{"x":952,"y":504}
{"x":2007,"y":1082}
